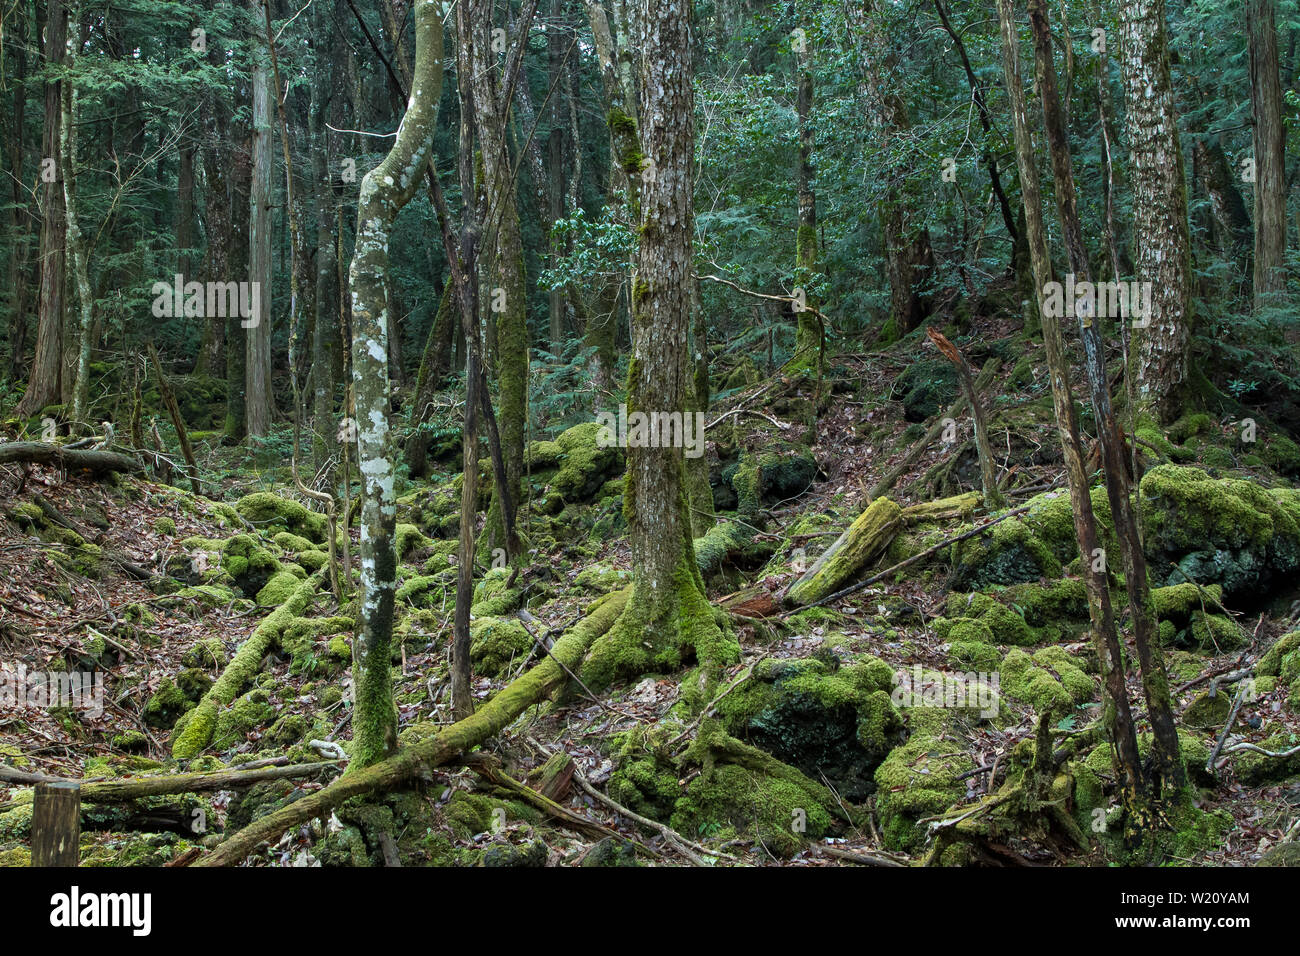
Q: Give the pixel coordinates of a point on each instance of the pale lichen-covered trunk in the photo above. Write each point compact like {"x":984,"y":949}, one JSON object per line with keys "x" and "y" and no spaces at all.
{"x":1269,"y":137}
{"x":809,"y":333}
{"x":1159,"y":207}
{"x":384,"y":191}
{"x":668,"y":617}
{"x":258,"y":407}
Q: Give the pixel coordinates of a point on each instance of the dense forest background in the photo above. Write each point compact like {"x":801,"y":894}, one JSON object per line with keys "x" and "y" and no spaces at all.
{"x":986,"y":314}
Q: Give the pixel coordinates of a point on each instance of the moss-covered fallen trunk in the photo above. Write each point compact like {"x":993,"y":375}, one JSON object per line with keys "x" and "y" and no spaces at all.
{"x":493,"y":717}
{"x":194,"y":730}
{"x":866,"y":539}
{"x":124,"y":791}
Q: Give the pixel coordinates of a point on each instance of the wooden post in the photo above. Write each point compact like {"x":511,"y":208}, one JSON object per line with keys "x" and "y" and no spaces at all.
{"x":56,"y":824}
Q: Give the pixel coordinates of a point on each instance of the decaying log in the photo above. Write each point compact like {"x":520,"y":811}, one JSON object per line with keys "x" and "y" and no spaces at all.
{"x":123,"y":791}
{"x":96,"y":461}
{"x":489,"y":720}
{"x":866,"y":539}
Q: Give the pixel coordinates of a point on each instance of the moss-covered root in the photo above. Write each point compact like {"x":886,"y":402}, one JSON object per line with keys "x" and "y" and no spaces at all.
{"x":427,"y":746}
{"x":194,"y":730}
{"x":659,"y":632}
{"x":865,"y":540}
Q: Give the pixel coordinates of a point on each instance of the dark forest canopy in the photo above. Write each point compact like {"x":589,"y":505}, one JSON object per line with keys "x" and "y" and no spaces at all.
{"x":911,"y":389}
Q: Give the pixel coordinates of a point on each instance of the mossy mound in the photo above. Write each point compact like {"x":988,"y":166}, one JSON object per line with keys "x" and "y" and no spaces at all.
{"x":1225,"y":531}
{"x":174,"y":698}
{"x":1010,"y":553}
{"x":245,"y":715}
{"x":497,"y":643}
{"x":492,"y":598}
{"x":822,"y":719}
{"x":573,"y":468}
{"x":278,"y":588}
{"x":270,"y":513}
{"x":928,"y":387}
{"x":1048,"y":681}
{"x":919,"y":779}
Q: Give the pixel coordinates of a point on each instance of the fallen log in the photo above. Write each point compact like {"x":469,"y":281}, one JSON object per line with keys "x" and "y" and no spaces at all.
{"x":123,"y":791}
{"x":436,"y":749}
{"x":202,"y":720}
{"x":866,"y":539}
{"x":69,"y":459}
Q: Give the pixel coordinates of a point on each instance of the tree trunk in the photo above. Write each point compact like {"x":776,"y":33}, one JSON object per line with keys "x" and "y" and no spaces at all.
{"x":1116,"y":714}
{"x":668,"y":617}
{"x":1270,"y":166}
{"x":809,"y":333}
{"x":258,"y":402}
{"x":384,"y":191}
{"x":1166,"y":757}
{"x":1159,"y":208}
{"x":76,"y":242}
{"x":44,"y":385}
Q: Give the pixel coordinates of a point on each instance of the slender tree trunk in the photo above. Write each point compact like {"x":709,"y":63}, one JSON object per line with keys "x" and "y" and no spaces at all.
{"x":384,"y":191}
{"x":1159,"y":208}
{"x":1166,"y":757}
{"x":1116,"y":714}
{"x":1270,"y":162}
{"x":20,"y":221}
{"x":809,"y":333}
{"x":325,"y":331}
{"x":76,"y":242}
{"x":44,"y":385}
{"x":258,"y":403}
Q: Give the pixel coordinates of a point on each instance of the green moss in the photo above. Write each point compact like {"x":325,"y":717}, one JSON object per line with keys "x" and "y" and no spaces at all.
{"x":242,"y":717}
{"x":1050,"y":683}
{"x":166,"y":705}
{"x":919,"y":779}
{"x":1271,"y":663}
{"x":277,"y":590}
{"x":600,"y":578}
{"x":492,"y":598}
{"x":269,"y":512}
{"x":1009,"y":554}
{"x":410,"y":538}
{"x":497,"y":643}
{"x":165,"y":526}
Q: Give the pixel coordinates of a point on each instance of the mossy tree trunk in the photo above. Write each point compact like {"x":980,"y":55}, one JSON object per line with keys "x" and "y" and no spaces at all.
{"x":325,"y":330}
{"x":384,"y":191}
{"x":1160,"y":226}
{"x":668,"y":616}
{"x":1116,"y":715}
{"x":1166,"y":757}
{"x":503,"y":255}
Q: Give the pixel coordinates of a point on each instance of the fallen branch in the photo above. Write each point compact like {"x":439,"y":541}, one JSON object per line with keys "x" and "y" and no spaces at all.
{"x":123,"y":791}
{"x":489,"y":720}
{"x":202,"y":720}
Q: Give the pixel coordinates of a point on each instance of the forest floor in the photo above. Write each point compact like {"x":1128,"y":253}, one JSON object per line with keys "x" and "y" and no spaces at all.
{"x":67,"y":604}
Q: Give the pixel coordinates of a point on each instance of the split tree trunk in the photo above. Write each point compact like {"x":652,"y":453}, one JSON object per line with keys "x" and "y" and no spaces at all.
{"x":1269,"y":139}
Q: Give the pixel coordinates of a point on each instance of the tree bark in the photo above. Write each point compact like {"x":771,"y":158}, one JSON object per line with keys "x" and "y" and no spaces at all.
{"x":1159,"y":208}
{"x":1116,"y":714}
{"x":1270,"y":164}
{"x":258,"y":402}
{"x":44,"y":385}
{"x":384,"y":191}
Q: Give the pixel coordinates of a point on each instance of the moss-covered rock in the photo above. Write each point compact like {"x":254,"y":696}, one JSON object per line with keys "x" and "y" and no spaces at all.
{"x":1010,"y":553}
{"x":1225,"y":531}
{"x":819,"y":718}
{"x":246,"y":714}
{"x":497,"y":643}
{"x":919,"y":779}
{"x":581,"y":466}
{"x":278,"y":589}
{"x":270,"y":513}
